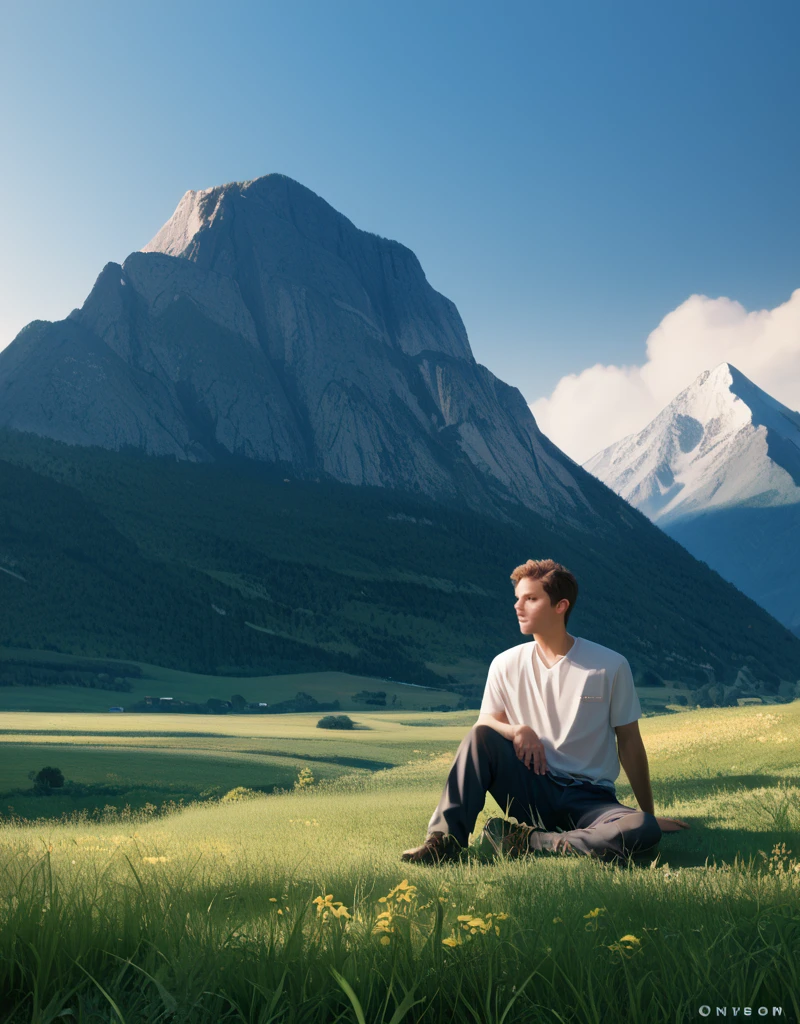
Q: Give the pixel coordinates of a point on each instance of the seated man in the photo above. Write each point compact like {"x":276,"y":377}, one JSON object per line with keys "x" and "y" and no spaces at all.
{"x":558,"y":716}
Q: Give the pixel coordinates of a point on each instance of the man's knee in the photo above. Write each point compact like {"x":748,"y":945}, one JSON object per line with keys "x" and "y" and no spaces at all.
{"x":652,"y":831}
{"x":640,"y":831}
{"x":486,"y":736}
{"x":485,"y":742}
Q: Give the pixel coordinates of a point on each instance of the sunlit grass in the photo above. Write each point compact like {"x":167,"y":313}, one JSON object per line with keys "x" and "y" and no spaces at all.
{"x":280,"y":907}
{"x":189,"y":760}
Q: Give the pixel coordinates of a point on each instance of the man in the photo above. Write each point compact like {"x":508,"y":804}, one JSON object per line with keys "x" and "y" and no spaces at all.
{"x":558,"y":716}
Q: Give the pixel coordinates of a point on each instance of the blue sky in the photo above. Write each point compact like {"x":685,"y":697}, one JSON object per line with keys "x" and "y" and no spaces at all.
{"x":567,"y":173}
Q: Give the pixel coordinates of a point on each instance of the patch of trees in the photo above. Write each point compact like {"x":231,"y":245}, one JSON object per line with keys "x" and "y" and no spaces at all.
{"x":646,"y":677}
{"x":718,"y":695}
{"x":20,"y":673}
{"x":217,"y":706}
{"x":335,"y":722}
{"x":154,"y":705}
{"x":110,"y":668}
{"x":46,"y":780}
{"x":370,"y":697}
{"x":301,"y":702}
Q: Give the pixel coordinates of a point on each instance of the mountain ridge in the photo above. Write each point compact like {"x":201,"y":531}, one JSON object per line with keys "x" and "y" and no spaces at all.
{"x":272,"y":328}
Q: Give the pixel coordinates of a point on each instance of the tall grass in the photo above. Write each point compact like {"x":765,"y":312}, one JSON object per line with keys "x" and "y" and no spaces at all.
{"x":295,"y":908}
{"x":149,"y":936}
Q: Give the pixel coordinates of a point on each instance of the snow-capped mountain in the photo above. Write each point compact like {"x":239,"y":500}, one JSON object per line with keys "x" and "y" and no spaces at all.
{"x":722,"y":442}
{"x":260,"y":322}
{"x":719,"y":471}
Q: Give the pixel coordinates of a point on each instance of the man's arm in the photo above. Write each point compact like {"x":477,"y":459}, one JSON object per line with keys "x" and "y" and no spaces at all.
{"x":633,"y":758}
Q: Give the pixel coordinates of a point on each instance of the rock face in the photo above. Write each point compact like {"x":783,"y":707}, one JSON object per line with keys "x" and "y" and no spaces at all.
{"x":259,"y":322}
{"x":719,"y":471}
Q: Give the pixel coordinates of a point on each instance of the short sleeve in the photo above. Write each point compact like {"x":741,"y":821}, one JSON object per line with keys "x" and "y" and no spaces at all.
{"x":492,"y":703}
{"x":625,"y":706}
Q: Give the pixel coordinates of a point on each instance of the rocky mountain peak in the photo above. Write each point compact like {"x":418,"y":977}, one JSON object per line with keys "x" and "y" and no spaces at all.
{"x":259,"y":322}
{"x":199,"y":210}
{"x":275,"y":230}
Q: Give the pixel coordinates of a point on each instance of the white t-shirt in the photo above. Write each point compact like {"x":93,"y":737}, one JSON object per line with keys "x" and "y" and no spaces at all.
{"x":573,"y":706}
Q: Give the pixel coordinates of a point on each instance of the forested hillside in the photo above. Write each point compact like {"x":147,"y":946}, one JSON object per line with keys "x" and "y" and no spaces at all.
{"x":233,"y":567}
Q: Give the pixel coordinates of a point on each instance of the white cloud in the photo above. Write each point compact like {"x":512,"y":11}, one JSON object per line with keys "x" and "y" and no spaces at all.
{"x":589,"y":411}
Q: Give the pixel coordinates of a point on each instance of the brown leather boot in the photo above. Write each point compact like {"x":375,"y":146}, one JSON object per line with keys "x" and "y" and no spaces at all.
{"x":438,"y":847}
{"x":518,"y":840}
{"x":507,"y":839}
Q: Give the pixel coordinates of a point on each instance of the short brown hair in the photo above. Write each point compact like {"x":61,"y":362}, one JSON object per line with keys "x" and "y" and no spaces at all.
{"x":557,"y":582}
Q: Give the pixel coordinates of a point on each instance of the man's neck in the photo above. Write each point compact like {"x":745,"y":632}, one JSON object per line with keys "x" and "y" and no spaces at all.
{"x":553,"y":646}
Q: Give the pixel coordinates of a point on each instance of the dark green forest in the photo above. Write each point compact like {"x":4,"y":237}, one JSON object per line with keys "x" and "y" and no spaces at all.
{"x":238,"y":568}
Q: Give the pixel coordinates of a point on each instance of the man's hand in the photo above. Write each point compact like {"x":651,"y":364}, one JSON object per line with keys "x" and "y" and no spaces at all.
{"x":671,"y":824}
{"x":529,"y":749}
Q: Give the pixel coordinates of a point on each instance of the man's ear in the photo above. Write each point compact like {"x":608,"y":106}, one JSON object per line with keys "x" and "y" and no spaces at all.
{"x":563,"y":606}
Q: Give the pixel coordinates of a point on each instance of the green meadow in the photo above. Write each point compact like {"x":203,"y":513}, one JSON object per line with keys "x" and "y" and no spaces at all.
{"x":135,"y":760}
{"x":294,"y":907}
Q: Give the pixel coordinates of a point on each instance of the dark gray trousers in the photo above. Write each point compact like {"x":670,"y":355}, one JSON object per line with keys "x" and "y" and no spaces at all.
{"x":594,"y":822}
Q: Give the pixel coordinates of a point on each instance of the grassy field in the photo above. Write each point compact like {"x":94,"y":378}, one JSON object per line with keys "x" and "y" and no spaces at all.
{"x":152,"y":758}
{"x":209,"y":914}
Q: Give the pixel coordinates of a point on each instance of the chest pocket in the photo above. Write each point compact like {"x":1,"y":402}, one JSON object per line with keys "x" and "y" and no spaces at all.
{"x":595,"y":690}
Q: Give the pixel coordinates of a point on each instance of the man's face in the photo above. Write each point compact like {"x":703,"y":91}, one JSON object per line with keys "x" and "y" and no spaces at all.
{"x":533,"y":608}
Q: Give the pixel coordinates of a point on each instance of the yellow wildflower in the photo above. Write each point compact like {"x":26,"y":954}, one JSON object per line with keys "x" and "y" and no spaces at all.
{"x":626,"y":946}
{"x":328,"y":906}
{"x":591,"y":924}
{"x":402,"y":892}
{"x":383,"y":923}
